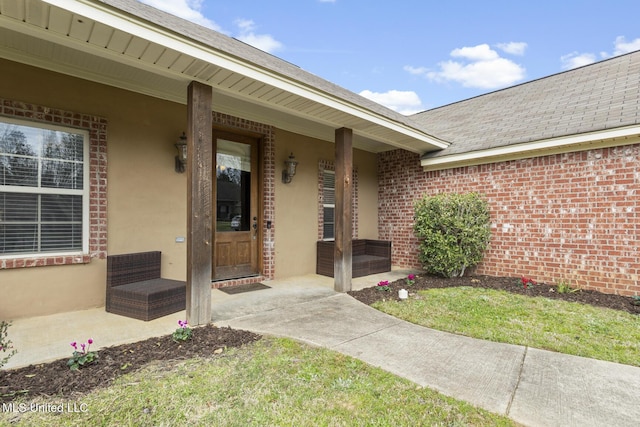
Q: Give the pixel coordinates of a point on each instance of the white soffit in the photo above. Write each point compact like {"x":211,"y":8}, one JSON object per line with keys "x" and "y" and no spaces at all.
{"x":603,"y":139}
{"x":111,"y":36}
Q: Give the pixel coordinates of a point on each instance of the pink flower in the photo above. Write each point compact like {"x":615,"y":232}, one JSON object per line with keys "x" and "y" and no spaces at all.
{"x":90,"y":341}
{"x":74,"y":345}
{"x":411,"y":277}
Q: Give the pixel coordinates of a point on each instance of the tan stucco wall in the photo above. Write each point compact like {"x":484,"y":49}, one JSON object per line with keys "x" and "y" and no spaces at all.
{"x":296,"y":230}
{"x":37,"y":291}
{"x":147,"y":199}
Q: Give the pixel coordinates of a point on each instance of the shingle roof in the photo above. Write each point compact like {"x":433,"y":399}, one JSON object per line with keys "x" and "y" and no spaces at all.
{"x":601,"y":96}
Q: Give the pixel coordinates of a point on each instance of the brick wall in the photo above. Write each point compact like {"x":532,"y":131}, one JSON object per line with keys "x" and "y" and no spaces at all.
{"x":562,"y":217}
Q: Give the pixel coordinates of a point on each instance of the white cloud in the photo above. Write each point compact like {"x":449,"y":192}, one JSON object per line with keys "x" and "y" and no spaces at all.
{"x":404,"y":102}
{"x":478,"y":67}
{"x":416,"y":71}
{"x":263,"y":42}
{"x":622,"y":46}
{"x":191,"y":10}
{"x":185,"y":9}
{"x":513,"y":48}
{"x":482,"y":52}
{"x":575,"y":60}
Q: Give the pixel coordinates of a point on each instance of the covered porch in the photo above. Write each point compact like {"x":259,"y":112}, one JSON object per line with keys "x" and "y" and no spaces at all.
{"x":145,"y":76}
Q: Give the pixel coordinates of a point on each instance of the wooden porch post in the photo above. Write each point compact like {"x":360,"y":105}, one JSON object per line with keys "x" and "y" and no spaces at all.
{"x":199,"y":203}
{"x":344,"y":172}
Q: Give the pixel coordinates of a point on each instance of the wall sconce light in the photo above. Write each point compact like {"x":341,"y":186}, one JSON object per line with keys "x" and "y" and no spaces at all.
{"x":181,"y":158}
{"x":289,"y":169}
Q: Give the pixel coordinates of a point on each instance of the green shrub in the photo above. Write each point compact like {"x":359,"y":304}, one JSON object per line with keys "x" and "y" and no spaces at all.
{"x":454,"y":232}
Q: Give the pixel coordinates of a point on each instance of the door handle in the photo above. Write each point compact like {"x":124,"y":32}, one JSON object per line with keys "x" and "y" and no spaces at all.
{"x":255,"y":228}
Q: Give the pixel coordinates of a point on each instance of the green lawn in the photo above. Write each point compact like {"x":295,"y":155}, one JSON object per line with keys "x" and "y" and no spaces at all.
{"x":566,"y":327}
{"x":274,"y":382}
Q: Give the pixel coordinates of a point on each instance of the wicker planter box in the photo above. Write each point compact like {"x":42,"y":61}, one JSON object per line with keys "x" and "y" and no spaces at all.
{"x":368,"y":257}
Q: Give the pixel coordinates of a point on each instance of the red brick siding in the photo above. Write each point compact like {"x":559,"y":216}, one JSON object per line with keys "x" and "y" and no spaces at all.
{"x":562,"y":217}
{"x":97,"y":128}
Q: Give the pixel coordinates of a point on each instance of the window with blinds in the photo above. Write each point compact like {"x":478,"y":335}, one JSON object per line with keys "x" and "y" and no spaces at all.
{"x":328,"y":204}
{"x":43,"y":189}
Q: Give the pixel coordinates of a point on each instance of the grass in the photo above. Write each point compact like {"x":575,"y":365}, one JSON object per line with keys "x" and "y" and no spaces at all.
{"x":561,"y":326}
{"x":276,"y":382}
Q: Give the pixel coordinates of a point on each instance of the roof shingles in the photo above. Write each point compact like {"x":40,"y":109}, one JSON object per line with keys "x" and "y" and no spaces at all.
{"x":596,"y":97}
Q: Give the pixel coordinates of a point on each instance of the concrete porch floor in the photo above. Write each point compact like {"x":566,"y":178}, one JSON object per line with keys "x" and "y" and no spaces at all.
{"x":47,"y":338}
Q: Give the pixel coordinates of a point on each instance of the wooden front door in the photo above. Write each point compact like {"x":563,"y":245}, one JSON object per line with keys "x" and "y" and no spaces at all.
{"x":236,"y":229}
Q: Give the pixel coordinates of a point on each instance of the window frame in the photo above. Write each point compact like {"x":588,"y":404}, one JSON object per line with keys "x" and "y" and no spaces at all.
{"x":329,"y":166}
{"x":328,"y":205}
{"x":41,"y":190}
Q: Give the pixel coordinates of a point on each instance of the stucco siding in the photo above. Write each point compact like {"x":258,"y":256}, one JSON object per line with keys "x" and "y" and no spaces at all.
{"x":145,"y":199}
{"x":297,"y":202}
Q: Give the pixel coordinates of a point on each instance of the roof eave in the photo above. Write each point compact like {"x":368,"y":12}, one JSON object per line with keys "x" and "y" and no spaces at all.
{"x":419,"y":141}
{"x":593,"y":140}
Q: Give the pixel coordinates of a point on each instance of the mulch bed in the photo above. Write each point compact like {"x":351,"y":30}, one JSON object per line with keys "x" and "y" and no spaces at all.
{"x":509,"y":284}
{"x":56,"y":379}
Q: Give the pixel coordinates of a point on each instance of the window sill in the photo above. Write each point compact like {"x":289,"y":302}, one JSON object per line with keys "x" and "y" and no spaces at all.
{"x":43,"y":261}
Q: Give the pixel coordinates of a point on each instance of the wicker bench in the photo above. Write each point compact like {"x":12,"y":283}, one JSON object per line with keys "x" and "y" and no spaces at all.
{"x":367,"y":257}
{"x":135,"y":289}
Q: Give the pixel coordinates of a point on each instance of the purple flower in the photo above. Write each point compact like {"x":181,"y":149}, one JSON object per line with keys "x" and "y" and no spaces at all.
{"x":74,"y":345}
{"x":384,"y":283}
{"x":411,"y":277}
{"x":82,"y":346}
{"x":90,"y":341}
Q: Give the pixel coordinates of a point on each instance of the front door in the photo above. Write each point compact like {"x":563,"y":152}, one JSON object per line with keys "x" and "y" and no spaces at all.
{"x":236,"y":229}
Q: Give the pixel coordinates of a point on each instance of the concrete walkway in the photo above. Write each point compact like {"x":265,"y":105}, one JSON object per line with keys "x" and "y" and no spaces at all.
{"x":533,"y":387}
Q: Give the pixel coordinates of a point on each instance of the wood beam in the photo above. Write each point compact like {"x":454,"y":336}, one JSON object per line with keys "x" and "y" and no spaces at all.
{"x":199,"y":203}
{"x":343,"y":223}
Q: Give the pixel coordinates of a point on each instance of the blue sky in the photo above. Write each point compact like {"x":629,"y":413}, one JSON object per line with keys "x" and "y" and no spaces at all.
{"x":413,"y":55}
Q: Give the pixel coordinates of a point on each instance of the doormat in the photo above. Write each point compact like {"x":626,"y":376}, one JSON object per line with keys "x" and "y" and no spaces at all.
{"x":231,"y":290}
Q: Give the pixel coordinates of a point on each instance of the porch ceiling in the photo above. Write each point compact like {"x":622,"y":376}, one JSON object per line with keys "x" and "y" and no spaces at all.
{"x":101,"y":43}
